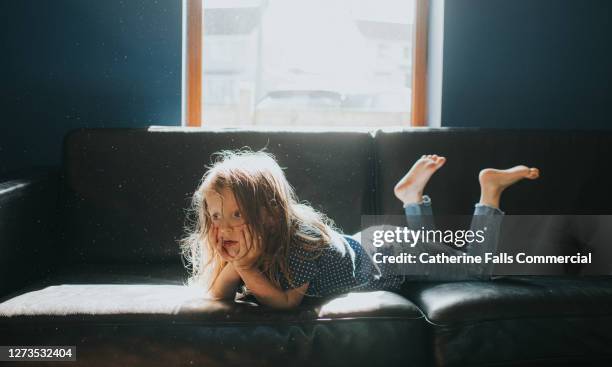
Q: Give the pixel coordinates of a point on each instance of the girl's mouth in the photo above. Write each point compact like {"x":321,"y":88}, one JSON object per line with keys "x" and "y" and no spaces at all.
{"x":229,"y":243}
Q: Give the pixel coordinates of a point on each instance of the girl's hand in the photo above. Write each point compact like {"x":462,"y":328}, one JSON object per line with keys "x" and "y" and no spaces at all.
{"x":217,"y":242}
{"x":250,"y":249}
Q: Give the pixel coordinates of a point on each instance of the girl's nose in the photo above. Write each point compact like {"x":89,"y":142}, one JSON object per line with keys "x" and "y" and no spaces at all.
{"x":224,"y":227}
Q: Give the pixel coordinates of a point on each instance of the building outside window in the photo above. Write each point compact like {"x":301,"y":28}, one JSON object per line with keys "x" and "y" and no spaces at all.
{"x":314,"y":62}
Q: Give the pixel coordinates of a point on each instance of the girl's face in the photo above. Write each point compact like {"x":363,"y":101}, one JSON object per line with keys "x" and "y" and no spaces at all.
{"x":225,"y":216}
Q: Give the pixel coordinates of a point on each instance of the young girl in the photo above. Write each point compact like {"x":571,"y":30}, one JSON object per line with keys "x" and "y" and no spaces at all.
{"x":251,"y":229}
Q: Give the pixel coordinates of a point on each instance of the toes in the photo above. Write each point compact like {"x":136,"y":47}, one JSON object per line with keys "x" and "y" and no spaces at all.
{"x":433,"y":157}
{"x":534,"y":173}
{"x":437,"y":161}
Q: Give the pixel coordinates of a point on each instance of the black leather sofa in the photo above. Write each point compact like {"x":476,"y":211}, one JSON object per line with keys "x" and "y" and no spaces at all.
{"x":89,"y":254}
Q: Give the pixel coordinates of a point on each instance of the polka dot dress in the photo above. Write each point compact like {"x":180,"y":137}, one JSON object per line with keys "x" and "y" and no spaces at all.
{"x":342,"y":267}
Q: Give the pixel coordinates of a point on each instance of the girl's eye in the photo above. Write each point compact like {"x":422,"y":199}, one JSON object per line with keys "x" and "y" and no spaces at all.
{"x":215,"y":217}
{"x":237,"y":215}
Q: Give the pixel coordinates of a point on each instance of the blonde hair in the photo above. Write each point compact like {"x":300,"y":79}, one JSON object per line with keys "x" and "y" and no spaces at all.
{"x":257,"y":182}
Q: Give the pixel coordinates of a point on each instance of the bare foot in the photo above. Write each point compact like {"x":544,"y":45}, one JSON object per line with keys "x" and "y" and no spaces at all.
{"x":494,"y":181}
{"x":410,"y":188}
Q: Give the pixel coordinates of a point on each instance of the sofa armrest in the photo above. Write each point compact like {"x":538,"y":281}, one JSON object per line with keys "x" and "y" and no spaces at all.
{"x":28,"y":222}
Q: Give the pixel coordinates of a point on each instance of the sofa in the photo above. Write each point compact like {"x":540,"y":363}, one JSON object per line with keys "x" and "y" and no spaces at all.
{"x":89,"y":254}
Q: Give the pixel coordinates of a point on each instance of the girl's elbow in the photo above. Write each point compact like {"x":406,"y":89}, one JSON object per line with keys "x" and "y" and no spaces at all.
{"x":216,"y":296}
{"x":285,"y":303}
{"x":284,"y":306}
{"x":293,"y":302}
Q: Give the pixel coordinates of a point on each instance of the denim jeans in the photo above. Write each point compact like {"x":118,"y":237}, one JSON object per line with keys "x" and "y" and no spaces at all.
{"x":485,"y":218}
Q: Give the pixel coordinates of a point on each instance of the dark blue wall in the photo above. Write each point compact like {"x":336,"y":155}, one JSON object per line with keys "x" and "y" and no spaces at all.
{"x":78,"y":63}
{"x":527,"y":63}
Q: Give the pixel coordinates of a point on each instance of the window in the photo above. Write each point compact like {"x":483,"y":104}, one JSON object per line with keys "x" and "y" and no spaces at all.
{"x":302,"y":62}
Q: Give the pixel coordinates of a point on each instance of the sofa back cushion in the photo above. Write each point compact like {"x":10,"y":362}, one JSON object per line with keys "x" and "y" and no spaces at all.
{"x":125,"y":191}
{"x":575,"y":168}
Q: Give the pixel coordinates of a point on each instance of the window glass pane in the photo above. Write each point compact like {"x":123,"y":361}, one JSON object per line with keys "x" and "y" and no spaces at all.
{"x":307,"y":62}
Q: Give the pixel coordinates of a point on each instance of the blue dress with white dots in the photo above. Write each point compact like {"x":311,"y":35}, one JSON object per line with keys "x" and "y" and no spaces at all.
{"x":345,"y":266}
{"x":342,"y":267}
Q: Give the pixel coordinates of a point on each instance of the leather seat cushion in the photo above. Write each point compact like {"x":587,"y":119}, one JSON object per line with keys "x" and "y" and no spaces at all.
{"x":537,"y":320}
{"x":512,"y":297}
{"x":151,"y":318}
